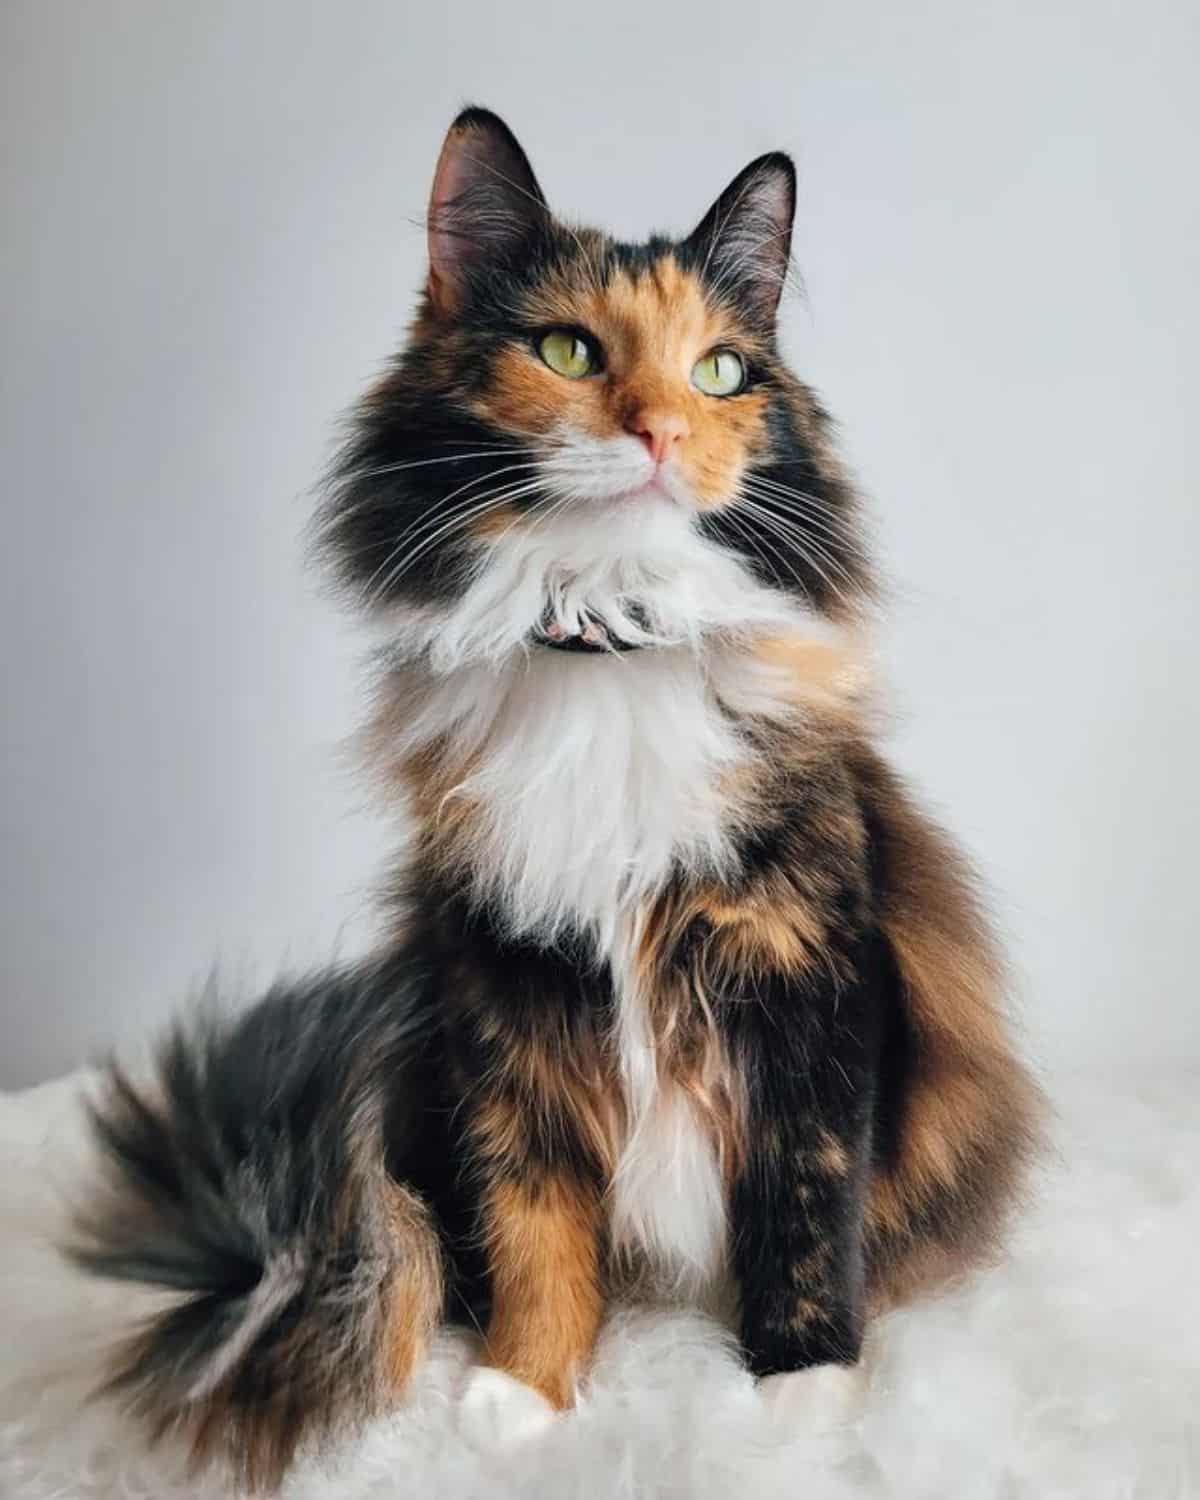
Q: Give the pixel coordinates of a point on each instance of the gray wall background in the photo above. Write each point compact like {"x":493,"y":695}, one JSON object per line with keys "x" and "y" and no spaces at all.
{"x":210,"y":241}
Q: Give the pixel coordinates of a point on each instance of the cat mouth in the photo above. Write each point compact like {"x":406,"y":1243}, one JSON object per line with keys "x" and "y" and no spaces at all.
{"x":654,"y":488}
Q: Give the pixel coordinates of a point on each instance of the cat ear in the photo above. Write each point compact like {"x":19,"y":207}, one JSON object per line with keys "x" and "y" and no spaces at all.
{"x":485,"y":206}
{"x":743,"y":242}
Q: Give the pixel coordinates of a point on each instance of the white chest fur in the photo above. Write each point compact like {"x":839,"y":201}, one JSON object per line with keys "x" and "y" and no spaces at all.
{"x":599,"y":774}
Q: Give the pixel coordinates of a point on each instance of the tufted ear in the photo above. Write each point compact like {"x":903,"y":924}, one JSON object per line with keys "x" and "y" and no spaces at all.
{"x":485,"y":206}
{"x":743,"y":242}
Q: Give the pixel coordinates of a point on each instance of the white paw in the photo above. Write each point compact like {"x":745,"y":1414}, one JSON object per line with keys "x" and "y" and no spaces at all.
{"x":495,"y":1409}
{"x":817,"y":1401}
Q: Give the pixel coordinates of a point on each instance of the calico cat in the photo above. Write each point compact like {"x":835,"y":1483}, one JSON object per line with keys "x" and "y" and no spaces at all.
{"x":681,"y":984}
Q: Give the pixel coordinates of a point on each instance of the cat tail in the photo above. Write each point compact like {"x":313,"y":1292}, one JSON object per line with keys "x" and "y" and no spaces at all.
{"x":964,"y":1121}
{"x":248,"y":1179}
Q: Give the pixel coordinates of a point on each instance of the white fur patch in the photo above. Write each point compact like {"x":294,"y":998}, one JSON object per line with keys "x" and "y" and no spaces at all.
{"x":666,"y":1198}
{"x":592,"y":775}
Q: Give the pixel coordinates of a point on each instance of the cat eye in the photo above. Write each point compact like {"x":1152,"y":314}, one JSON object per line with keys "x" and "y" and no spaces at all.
{"x":568,"y":353}
{"x":719,"y":373}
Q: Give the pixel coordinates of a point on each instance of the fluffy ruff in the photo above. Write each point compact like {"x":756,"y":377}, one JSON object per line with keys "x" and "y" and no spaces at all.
{"x":1073,"y":1369}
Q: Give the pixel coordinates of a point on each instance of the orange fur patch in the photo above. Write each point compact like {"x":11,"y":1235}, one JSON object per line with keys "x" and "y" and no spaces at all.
{"x":832,"y":1157}
{"x":414,"y":1290}
{"x":766,"y":929}
{"x":759,"y":935}
{"x":827,"y":675}
{"x":492,"y":525}
{"x":543,"y":1253}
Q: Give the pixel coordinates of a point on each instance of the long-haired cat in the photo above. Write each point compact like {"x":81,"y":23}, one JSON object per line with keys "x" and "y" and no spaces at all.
{"x":681,"y":984}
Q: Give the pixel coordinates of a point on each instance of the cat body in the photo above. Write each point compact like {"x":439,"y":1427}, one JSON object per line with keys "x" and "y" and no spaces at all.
{"x":682,"y":990}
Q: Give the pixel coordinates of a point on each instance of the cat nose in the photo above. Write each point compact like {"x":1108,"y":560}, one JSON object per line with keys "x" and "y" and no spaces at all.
{"x":659,"y":430}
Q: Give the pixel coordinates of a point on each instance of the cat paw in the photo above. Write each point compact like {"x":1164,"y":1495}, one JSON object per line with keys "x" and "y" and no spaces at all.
{"x":496,"y":1410}
{"x":824,"y":1399}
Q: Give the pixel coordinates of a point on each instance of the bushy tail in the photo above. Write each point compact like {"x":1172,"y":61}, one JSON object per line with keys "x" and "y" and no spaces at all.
{"x":249,"y":1176}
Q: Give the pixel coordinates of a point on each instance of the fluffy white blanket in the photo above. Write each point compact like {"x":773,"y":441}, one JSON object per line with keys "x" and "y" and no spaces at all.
{"x":1071,"y":1371}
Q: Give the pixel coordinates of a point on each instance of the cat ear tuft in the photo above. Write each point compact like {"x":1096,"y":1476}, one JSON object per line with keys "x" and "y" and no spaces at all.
{"x":484,"y":207}
{"x":744,"y":241}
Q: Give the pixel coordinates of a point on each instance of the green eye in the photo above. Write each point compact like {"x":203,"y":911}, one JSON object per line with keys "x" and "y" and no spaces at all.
{"x":567,"y":354}
{"x":720,"y":373}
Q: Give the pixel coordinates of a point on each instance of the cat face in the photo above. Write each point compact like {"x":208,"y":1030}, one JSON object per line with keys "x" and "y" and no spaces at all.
{"x":581,"y":423}
{"x":629,"y":380}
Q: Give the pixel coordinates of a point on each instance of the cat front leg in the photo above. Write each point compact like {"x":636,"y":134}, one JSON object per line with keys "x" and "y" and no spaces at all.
{"x":530,"y":1143}
{"x":541,"y":1243}
{"x":798,"y":1199}
{"x":538,"y":1218}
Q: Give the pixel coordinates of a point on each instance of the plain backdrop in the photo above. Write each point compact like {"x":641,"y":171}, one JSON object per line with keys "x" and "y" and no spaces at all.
{"x":211,"y":241}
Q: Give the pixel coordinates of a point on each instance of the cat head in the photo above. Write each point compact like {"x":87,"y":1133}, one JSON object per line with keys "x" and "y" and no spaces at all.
{"x":583,"y":436}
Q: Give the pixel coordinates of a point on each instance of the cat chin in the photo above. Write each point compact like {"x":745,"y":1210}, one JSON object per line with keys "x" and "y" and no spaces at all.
{"x":641,"y":567}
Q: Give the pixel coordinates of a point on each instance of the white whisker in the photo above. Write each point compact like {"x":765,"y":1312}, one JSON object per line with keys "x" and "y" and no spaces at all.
{"x":439,"y":512}
{"x":474,"y":511}
{"x":355,"y":476}
{"x":771,"y":498}
{"x":790,"y":535}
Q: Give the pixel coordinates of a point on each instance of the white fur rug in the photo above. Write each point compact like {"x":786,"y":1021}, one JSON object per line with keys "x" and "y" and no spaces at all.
{"x":1073,"y":1371}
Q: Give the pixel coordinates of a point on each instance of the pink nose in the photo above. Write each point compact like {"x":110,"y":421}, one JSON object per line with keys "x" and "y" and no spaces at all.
{"x":659,"y":430}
